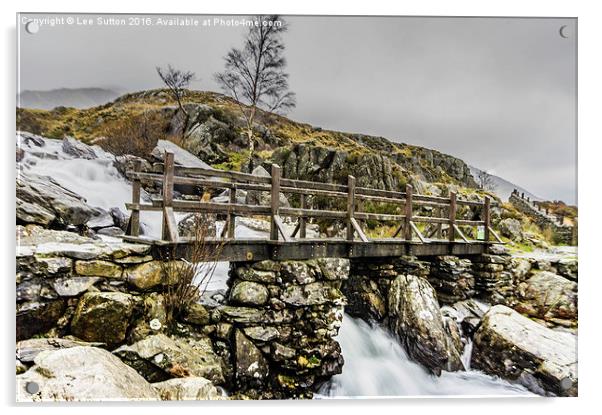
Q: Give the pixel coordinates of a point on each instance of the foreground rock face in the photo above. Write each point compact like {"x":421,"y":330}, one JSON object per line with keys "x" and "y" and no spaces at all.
{"x":516,"y":348}
{"x":83,"y":374}
{"x":549,"y":297}
{"x":415,"y":316}
{"x":43,"y":201}
{"x":159,"y":357}
{"x":187,"y":389}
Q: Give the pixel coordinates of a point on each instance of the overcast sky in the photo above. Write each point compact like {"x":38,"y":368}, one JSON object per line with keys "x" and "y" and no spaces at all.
{"x":500,"y":93}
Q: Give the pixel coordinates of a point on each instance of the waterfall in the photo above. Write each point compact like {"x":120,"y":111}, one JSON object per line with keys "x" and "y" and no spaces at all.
{"x":377,"y":366}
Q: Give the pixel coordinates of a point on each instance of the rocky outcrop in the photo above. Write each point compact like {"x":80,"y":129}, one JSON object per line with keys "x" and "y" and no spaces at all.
{"x":41,"y":200}
{"x":549,"y":297}
{"x":516,"y":348}
{"x":451,"y":277}
{"x":256,"y":197}
{"x":82,"y":374}
{"x":415,"y":317}
{"x":78,"y":149}
{"x":159,"y":357}
{"x":187,"y":389}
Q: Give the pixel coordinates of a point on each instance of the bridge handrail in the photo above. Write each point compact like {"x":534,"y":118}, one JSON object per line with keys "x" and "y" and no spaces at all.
{"x":168,"y":175}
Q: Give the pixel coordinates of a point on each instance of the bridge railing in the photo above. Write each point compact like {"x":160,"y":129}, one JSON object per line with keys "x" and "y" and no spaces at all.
{"x":168,"y":176}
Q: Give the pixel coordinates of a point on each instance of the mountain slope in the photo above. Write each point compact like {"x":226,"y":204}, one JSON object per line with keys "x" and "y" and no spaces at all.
{"x":503,"y":188}
{"x":66,"y":97}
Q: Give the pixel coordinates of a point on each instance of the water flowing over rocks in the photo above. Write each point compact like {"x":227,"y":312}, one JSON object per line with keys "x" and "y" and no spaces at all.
{"x":514,"y":347}
{"x":83,"y":374}
{"x":415,"y":316}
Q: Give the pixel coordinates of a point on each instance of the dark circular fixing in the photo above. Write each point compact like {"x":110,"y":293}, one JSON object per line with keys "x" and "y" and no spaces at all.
{"x":32,"y":387}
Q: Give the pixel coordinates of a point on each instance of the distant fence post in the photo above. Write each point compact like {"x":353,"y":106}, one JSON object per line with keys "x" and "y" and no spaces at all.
{"x":487,"y":217}
{"x":134,"y":228}
{"x":302,"y":220}
{"x":275,"y":199}
{"x":407,"y":230}
{"x":350,"y":206}
{"x":452,"y":216}
{"x":169,"y":230}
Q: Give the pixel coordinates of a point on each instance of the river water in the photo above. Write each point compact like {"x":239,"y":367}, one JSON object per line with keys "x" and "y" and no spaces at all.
{"x":375,"y":363}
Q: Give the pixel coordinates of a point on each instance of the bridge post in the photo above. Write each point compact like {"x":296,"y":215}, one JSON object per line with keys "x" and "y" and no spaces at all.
{"x":350,"y":206}
{"x":302,"y":220}
{"x":134,"y":225}
{"x":407,"y":231}
{"x":275,"y":199}
{"x":231,"y":216}
{"x":487,"y":218}
{"x":169,"y":229}
{"x":451,"y":233}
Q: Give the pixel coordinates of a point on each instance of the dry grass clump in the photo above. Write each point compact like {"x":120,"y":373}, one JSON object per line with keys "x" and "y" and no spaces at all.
{"x":137,"y":135}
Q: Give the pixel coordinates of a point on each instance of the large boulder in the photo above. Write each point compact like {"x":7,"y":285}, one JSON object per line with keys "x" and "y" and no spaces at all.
{"x":78,"y":149}
{"x":82,"y":374}
{"x":181,"y":156}
{"x":37,"y":317}
{"x":187,"y":389}
{"x":510,"y":228}
{"x":103,"y":317}
{"x":364,"y":298}
{"x":549,"y":297}
{"x":41,"y":200}
{"x":251,"y":366}
{"x":415,"y":317}
{"x":159,"y":357}
{"x":256,"y":197}
{"x":516,"y":348}
{"x":28,"y":350}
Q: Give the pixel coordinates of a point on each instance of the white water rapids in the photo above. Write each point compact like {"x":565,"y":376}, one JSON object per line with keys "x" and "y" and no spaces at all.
{"x":375,"y":364}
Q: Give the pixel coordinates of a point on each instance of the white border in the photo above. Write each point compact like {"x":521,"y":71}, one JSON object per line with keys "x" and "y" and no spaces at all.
{"x":590,"y":93}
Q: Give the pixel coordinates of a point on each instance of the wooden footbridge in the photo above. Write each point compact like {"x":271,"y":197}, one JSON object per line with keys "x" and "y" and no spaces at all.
{"x":445,"y":235}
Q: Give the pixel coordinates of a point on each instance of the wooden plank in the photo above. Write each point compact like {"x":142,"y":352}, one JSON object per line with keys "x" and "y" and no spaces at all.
{"x":170,"y":226}
{"x":302,"y":220}
{"x":214,"y":207}
{"x":398,"y":230}
{"x":359,"y":231}
{"x":350,"y":206}
{"x":144,"y":207}
{"x":378,"y":216}
{"x":418,"y":233}
{"x":305,"y":184}
{"x":296,"y":229}
{"x":281,"y":228}
{"x":407,"y":230}
{"x":275,"y":201}
{"x":313,"y":213}
{"x":463,"y":222}
{"x":496,"y":236}
{"x":459,"y":232}
{"x":134,"y":222}
{"x":208,"y":172}
{"x":452,"y":216}
{"x":231,"y":216}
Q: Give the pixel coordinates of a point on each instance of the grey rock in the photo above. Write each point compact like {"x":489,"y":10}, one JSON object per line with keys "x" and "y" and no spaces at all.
{"x":518,"y":349}
{"x":159,"y":357}
{"x":249,"y":293}
{"x":187,"y":389}
{"x":83,"y":374}
{"x":49,"y":198}
{"x":71,"y":287}
{"x":103,"y":317}
{"x":27,"y":350}
{"x":415,"y":317}
{"x":78,"y":149}
{"x":251,"y":365}
{"x":37,"y":317}
{"x":316,"y":293}
{"x":256,"y":197}
{"x":510,"y":228}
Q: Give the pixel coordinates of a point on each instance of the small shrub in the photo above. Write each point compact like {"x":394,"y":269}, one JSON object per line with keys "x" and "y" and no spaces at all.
{"x":137,"y":135}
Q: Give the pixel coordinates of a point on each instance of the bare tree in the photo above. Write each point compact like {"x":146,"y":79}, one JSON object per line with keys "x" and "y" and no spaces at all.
{"x":485,"y":181}
{"x":254,"y":75}
{"x":178,"y":82}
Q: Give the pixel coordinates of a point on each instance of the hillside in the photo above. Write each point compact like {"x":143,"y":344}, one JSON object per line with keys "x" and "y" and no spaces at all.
{"x":66,"y":97}
{"x":503,"y":188}
{"x":214,"y":133}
